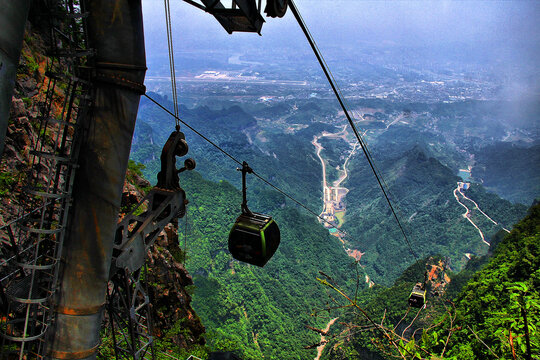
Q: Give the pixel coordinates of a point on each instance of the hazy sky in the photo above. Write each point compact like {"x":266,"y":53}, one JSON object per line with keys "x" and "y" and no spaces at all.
{"x":396,"y":21}
{"x":506,"y":33}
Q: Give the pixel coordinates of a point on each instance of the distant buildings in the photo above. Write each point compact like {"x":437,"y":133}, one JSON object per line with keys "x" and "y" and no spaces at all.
{"x":333,"y":203}
{"x":463,"y":185}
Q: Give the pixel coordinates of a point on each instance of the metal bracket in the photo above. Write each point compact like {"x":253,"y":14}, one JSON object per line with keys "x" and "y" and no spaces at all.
{"x":139,"y":229}
{"x":244,"y":15}
{"x":175,"y":145}
{"x":245,"y":169}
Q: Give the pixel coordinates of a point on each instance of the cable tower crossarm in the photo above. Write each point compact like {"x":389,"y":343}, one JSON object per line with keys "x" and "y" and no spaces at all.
{"x":240,"y":163}
{"x":341,"y":101}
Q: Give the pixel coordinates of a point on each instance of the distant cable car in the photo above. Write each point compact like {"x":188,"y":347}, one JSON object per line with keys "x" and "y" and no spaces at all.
{"x":417,"y":298}
{"x":254,"y":237}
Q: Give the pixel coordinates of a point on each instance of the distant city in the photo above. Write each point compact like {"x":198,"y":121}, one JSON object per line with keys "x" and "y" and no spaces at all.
{"x":419,"y":83}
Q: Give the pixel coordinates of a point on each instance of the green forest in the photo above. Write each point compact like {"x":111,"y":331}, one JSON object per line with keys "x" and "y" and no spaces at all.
{"x":422,"y":188}
{"x":259,"y":311}
{"x":490,"y":310}
{"x":271,"y":311}
{"x":317,"y":298}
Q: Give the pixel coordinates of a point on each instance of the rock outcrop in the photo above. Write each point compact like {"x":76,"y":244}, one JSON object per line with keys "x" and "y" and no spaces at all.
{"x":167,"y":279}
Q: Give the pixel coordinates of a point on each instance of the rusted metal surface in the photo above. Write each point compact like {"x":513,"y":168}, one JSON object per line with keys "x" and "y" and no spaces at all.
{"x":135,"y":234}
{"x":69,"y":355}
{"x":243,"y":15}
{"x":116,"y":35}
{"x":13,"y":16}
{"x":79,"y":310}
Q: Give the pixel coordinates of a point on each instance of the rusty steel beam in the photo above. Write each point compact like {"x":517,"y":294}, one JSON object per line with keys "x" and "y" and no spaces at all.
{"x":13,"y":16}
{"x":115,"y":31}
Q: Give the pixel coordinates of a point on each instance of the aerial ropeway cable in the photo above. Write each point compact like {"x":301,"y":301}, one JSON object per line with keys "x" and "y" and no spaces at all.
{"x":278,"y":9}
{"x":240,"y":244}
{"x":254,"y":237}
{"x":241,"y":164}
{"x":172,"y":68}
{"x":417,"y":298}
{"x":342,"y":102}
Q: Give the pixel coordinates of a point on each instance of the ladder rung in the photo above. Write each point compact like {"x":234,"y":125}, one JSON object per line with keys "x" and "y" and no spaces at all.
{"x":73,"y":53}
{"x":42,"y":231}
{"x":70,"y":15}
{"x":61,"y":122}
{"x":81,"y":80}
{"x":48,"y":155}
{"x":48,"y":195}
{"x":54,"y":75}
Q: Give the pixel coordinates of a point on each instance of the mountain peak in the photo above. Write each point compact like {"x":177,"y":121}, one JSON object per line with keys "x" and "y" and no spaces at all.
{"x":417,"y":152}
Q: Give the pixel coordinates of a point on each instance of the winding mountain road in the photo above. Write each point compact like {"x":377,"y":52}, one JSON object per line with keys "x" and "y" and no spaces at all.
{"x":319,"y":148}
{"x":398,"y":118}
{"x":480,"y":210}
{"x":320,"y":348}
{"x":467,"y":213}
{"x":344,"y":174}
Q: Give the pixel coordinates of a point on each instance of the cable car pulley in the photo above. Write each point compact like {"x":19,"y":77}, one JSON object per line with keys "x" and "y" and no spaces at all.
{"x":175,"y":146}
{"x":254,"y":237}
{"x":276,"y":8}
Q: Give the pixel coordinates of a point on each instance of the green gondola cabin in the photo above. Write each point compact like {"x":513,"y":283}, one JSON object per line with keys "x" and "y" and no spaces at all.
{"x":254,"y":238}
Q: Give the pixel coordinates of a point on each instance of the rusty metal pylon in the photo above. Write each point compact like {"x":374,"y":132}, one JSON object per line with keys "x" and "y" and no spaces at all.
{"x":31,"y":252}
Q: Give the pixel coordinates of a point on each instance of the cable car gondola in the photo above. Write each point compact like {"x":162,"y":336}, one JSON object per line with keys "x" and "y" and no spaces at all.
{"x":417,"y":298}
{"x":254,"y":237}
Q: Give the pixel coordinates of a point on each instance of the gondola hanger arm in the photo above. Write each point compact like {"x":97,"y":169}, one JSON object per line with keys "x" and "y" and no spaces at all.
{"x":245,"y":169}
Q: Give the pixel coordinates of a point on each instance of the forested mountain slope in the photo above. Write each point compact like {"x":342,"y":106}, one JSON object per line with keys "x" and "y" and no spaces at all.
{"x":423,"y":190}
{"x":259,"y":311}
{"x":284,"y":162}
{"x":501,"y":304}
{"x":495,"y":313}
{"x":419,"y":167}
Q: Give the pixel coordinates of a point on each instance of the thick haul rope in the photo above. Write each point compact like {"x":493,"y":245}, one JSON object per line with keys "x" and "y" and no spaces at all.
{"x":172,"y":68}
{"x":341,"y":101}
{"x":240,"y":163}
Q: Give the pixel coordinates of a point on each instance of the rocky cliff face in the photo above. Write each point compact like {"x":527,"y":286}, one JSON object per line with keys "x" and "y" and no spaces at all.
{"x":23,"y":128}
{"x":171,"y":301}
{"x":168,"y":281}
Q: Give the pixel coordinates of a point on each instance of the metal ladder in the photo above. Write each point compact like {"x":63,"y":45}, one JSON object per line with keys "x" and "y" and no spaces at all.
{"x":128,"y":304}
{"x":129,"y":315}
{"x":30,"y":256}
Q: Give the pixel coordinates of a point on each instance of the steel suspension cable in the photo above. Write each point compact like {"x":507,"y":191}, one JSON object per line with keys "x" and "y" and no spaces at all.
{"x":192,"y":129}
{"x":240,"y":163}
{"x":185,"y":236}
{"x":340,"y":98}
{"x":172,"y":68}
